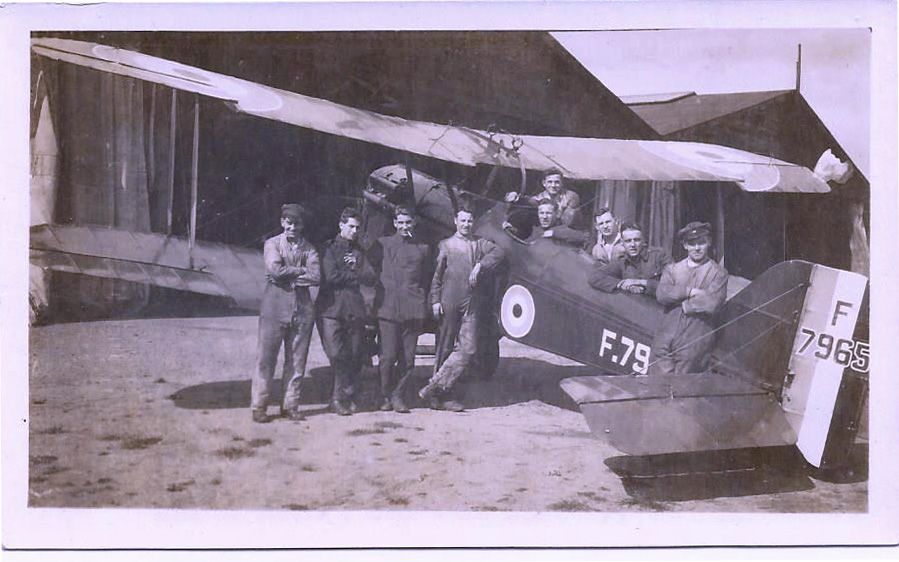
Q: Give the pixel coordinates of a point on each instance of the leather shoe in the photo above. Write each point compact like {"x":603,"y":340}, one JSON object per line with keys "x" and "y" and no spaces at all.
{"x":453,"y":406}
{"x":339,"y":409}
{"x":435,"y":403}
{"x":398,"y":405}
{"x":259,"y":416}
{"x":294,"y":414}
{"x":386,"y":405}
{"x":427,"y":391}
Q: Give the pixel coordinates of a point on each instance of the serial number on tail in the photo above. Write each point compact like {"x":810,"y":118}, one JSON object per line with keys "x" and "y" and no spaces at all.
{"x":623,"y":350}
{"x":846,"y":353}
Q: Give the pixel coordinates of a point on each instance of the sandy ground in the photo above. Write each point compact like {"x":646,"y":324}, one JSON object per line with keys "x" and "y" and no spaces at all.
{"x":154,"y":413}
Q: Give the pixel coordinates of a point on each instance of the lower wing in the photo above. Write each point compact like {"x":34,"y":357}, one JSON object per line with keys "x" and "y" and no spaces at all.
{"x":155,"y":259}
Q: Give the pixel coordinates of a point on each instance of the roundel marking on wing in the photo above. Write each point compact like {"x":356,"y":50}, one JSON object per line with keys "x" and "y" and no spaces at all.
{"x":517,"y":311}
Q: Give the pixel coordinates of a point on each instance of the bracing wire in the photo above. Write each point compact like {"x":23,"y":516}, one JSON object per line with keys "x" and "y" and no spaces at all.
{"x":726,"y":324}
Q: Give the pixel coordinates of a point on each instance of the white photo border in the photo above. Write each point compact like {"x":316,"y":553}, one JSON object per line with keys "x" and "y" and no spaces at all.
{"x":138,"y":528}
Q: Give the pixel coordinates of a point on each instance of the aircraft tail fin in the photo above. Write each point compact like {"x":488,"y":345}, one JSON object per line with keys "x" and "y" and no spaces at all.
{"x":791,"y":331}
{"x":821,"y":389}
{"x":758,"y":324}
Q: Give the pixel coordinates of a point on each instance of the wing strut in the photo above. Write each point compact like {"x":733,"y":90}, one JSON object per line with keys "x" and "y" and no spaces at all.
{"x":173,"y":123}
{"x":409,"y":173}
{"x":195,"y":162}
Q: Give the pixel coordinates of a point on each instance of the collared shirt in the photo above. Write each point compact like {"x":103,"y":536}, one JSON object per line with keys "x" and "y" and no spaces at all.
{"x":567,"y":202}
{"x":605,"y":252}
{"x":648,"y":265}
{"x":456,"y":257}
{"x":404,"y":272}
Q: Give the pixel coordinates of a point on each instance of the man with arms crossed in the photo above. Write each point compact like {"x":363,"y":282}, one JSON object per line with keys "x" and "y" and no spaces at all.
{"x":693,"y":291}
{"x":286,"y":315}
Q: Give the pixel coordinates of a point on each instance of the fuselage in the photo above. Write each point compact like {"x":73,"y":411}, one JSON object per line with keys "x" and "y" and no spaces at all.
{"x":543,"y":297}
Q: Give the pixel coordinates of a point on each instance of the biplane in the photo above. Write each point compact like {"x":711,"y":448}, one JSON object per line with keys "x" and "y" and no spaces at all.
{"x":787,"y":368}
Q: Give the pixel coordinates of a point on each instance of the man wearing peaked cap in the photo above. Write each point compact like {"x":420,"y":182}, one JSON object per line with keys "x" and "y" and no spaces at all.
{"x":287,"y":314}
{"x":694,"y":230}
{"x":693,"y":291}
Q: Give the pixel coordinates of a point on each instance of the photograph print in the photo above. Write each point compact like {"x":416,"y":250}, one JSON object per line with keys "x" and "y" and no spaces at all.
{"x":450,"y":271}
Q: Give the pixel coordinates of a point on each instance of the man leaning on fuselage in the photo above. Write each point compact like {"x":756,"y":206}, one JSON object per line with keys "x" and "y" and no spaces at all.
{"x":693,"y":290}
{"x":637,"y":271}
{"x":460,"y":300}
{"x":547,"y":219}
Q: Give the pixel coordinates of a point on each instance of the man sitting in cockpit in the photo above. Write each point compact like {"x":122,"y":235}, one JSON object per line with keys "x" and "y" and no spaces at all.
{"x":546,"y":220}
{"x":548,"y":225}
{"x":636,"y":271}
{"x":567,"y":201}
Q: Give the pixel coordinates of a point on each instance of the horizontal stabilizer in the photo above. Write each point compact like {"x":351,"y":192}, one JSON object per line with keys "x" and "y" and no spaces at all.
{"x":647,"y":415}
{"x":154,"y":259}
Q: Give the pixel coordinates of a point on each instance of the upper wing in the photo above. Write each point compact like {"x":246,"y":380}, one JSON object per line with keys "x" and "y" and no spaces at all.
{"x":156,"y":259}
{"x":578,"y":158}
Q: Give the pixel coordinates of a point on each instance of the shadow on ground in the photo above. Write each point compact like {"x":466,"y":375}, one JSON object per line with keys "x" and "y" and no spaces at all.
{"x":517,"y":380}
{"x":855,"y":469}
{"x":712,"y":474}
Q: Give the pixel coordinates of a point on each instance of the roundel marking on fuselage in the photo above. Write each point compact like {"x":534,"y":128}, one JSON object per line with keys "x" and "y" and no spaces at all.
{"x":517,"y":311}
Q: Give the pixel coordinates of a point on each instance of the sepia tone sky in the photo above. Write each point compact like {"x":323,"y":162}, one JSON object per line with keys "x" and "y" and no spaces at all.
{"x":835,"y":68}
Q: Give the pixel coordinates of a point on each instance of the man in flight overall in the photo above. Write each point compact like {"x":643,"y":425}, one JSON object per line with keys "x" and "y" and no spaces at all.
{"x":693,"y":290}
{"x":287,"y":314}
{"x":460,"y":298}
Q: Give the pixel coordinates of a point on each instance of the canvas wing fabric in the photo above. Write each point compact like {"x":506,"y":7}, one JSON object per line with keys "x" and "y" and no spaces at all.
{"x":156,"y":259}
{"x":577,"y":157}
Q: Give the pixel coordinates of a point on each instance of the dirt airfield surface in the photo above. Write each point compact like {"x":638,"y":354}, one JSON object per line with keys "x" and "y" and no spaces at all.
{"x":155,"y":413}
